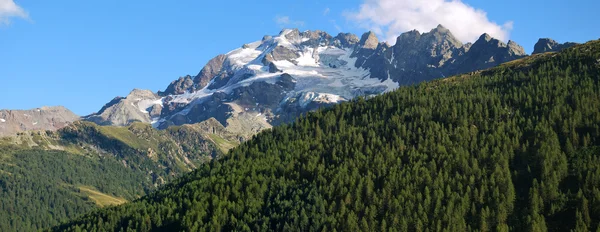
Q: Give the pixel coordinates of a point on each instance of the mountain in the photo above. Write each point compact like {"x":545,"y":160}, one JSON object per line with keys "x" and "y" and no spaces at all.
{"x":278,"y":78}
{"x":50,"y":176}
{"x":44,"y":118}
{"x":512,"y":148}
{"x":549,"y":45}
{"x":122,"y":111}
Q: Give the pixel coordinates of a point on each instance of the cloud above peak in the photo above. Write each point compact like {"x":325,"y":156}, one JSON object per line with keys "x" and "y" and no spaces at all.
{"x":9,"y":9}
{"x":390,"y":18}
{"x":285,"y":21}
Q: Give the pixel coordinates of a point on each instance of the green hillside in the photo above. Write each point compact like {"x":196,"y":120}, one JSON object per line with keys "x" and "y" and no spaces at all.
{"x":513,"y":148}
{"x":49,"y":177}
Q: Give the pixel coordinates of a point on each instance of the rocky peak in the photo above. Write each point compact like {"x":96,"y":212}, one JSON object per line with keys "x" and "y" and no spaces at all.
{"x":368,"y":41}
{"x":485,"y":37}
{"x":142,"y":93}
{"x":550,"y":45}
{"x":487,"y":43}
{"x":138,"y":106}
{"x":440,"y":35}
{"x":515,"y":49}
{"x":317,"y":34}
{"x":178,"y":86}
{"x":440,"y":30}
{"x":345,"y":40}
{"x":415,"y":52}
{"x":292,"y":35}
{"x":545,"y":45}
{"x":315,"y":38}
{"x":409,"y":37}
{"x":210,"y":71}
{"x":488,"y":52}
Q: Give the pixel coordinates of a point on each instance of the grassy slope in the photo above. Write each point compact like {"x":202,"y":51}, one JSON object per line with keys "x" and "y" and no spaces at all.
{"x":223,"y":144}
{"x":101,"y":199}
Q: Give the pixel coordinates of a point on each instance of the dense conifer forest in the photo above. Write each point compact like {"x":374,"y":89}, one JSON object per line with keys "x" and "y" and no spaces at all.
{"x":511,"y":148}
{"x":39,"y":188}
{"x":49,"y":177}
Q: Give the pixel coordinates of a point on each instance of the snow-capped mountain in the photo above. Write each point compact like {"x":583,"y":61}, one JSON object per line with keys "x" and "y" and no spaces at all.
{"x":275,"y":79}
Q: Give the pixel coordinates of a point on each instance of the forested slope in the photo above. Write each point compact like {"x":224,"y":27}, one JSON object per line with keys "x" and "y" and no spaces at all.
{"x":511,"y":148}
{"x":47,"y":177}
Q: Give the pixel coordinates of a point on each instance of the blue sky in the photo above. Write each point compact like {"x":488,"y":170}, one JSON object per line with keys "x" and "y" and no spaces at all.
{"x":81,"y":54}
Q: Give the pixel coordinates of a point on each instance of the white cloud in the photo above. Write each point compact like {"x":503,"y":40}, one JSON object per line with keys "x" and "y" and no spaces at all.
{"x":8,"y":10}
{"x":285,"y":21}
{"x":389,"y":18}
{"x":326,"y":11}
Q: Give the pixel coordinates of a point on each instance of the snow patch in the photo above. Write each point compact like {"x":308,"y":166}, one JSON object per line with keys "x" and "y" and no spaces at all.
{"x":307,"y":59}
{"x":143,"y":105}
{"x":391,"y":85}
{"x":308,"y":97}
{"x":156,"y":122}
{"x":2,"y":120}
{"x":243,"y":56}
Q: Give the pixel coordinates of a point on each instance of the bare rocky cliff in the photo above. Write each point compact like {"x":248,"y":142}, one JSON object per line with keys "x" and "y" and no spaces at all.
{"x":44,"y":118}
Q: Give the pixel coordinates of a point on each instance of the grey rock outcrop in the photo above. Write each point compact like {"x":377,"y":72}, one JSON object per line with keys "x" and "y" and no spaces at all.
{"x":485,"y":53}
{"x":283,"y":53}
{"x":44,"y":118}
{"x":417,"y":57}
{"x":368,"y":41}
{"x":345,"y":40}
{"x":315,"y":38}
{"x":178,"y":86}
{"x":138,"y":106}
{"x":549,"y":45}
{"x":213,"y":68}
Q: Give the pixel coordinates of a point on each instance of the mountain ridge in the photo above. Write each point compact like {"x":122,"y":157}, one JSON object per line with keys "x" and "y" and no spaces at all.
{"x":279,"y":77}
{"x":53,"y":118}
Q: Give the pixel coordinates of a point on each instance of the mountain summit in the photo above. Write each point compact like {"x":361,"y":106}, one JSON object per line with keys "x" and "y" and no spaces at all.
{"x":44,"y":118}
{"x":275,"y":79}
{"x":550,"y":45}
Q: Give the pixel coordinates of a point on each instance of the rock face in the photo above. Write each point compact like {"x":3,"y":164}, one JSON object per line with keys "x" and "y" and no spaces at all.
{"x":278,"y":78}
{"x":138,"y":106}
{"x":44,"y":118}
{"x":549,"y":45}
{"x":485,"y":53}
{"x":420,"y":57}
{"x":178,"y":86}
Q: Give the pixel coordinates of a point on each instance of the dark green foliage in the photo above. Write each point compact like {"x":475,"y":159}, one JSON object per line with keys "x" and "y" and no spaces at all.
{"x":39,"y":188}
{"x":512,"y":148}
